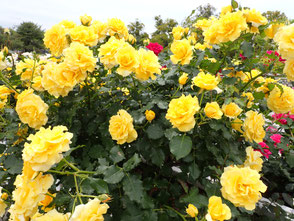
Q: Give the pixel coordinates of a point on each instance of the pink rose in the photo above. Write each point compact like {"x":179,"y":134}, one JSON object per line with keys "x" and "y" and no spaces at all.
{"x":276,"y":138}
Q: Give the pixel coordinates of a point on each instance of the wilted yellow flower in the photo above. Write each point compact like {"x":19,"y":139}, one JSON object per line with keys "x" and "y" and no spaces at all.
{"x":29,"y":191}
{"x":289,"y":69}
{"x":150,"y":115}
{"x":183,"y":79}
{"x":218,"y":210}
{"x":100,"y":29}
{"x":254,"y":17}
{"x":250,"y":98}
{"x":52,"y":215}
{"x":2,"y":204}
{"x":253,"y":127}
{"x":121,"y":127}
{"x":148,"y":65}
{"x":84,"y":35}
{"x":284,"y":38}
{"x":192,"y":210}
{"x":93,"y":210}
{"x":205,"y":81}
{"x":46,"y":147}
{"x":212,"y":110}
{"x":78,"y":57}
{"x":253,"y":159}
{"x":127,"y":59}
{"x":31,"y":109}
{"x":117,"y":27}
{"x":231,"y":110}
{"x":181,"y":112}
{"x":182,"y":52}
{"x":271,"y":31}
{"x":237,"y":125}
{"x":179,"y":32}
{"x":281,"y":102}
{"x":226,"y":10}
{"x":85,"y":20}
{"x":55,"y":39}
{"x":242,"y":186}
{"x":108,"y":51}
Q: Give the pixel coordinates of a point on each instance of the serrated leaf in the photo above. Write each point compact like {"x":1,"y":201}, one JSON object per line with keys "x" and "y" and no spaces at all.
{"x":157,"y":156}
{"x":116,"y":154}
{"x":180,"y":146}
{"x":113,"y":175}
{"x":194,"y":171}
{"x":247,"y":49}
{"x":258,"y":95}
{"x":133,"y":188}
{"x":154,"y":131}
{"x":13,"y":164}
{"x":99,"y":185}
{"x":132,"y":162}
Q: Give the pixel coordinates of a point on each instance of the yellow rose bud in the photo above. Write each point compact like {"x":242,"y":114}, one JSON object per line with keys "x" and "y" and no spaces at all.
{"x":192,"y":210}
{"x":5,"y":50}
{"x":212,"y":110}
{"x":150,"y":115}
{"x":86,"y":20}
{"x":183,"y":79}
{"x":146,"y":41}
{"x":4,"y":196}
{"x":217,"y":210}
{"x":231,"y":110}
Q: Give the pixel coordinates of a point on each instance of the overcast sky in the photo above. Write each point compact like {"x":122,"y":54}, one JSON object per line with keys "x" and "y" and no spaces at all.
{"x":49,"y":12}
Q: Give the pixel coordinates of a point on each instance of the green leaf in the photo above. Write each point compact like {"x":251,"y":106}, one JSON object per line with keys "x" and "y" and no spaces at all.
{"x":271,"y":86}
{"x":170,"y":133}
{"x":194,"y":171}
{"x":154,"y":131}
{"x":13,"y":164}
{"x":258,"y":95}
{"x":132,"y":162}
{"x":157,"y":156}
{"x":229,"y":80}
{"x":116,"y":154}
{"x":113,"y":175}
{"x":247,"y":49}
{"x":234,"y":4}
{"x":180,"y":146}
{"x":290,"y":159}
{"x":133,"y":187}
{"x":99,"y":185}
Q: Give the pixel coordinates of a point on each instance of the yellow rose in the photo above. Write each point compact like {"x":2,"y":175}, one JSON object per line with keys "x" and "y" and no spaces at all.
{"x":226,"y":10}
{"x":192,"y":210}
{"x":116,"y":27}
{"x":181,"y":112}
{"x":204,"y":23}
{"x":121,"y":127}
{"x":183,"y":79}
{"x":78,"y":57}
{"x":108,"y":51}
{"x":284,"y":38}
{"x":212,"y":110}
{"x":231,"y":110}
{"x":25,"y":69}
{"x":179,"y":32}
{"x":253,"y":127}
{"x":31,"y":109}
{"x":93,"y":210}
{"x":237,"y":125}
{"x":217,"y":210}
{"x":205,"y":81}
{"x":202,"y":47}
{"x":100,"y":29}
{"x":252,"y":74}
{"x":281,"y":102}
{"x":86,"y":20}
{"x":68,"y":25}
{"x":271,"y":31}
{"x":148,"y":65}
{"x":242,"y":186}
{"x":52,"y":215}
{"x":37,"y":83}
{"x":254,"y":17}
{"x":5,"y":92}
{"x":253,"y":159}
{"x":27,"y":194}
{"x":55,"y":39}
{"x":84,"y":35}
{"x":2,"y":204}
{"x":46,"y":147}
{"x":150,"y":115}
{"x":127,"y":59}
{"x":182,"y":52}
{"x":250,"y":98}
{"x":264,"y":88}
{"x":289,"y":69}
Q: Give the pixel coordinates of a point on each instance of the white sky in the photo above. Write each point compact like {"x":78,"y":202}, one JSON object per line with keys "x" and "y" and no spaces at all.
{"x":49,"y":12}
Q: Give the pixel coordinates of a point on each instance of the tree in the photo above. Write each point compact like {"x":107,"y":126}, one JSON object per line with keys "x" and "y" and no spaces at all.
{"x":273,"y":16}
{"x":31,"y":35}
{"x":162,"y":35}
{"x":202,"y":11}
{"x":136,"y":29}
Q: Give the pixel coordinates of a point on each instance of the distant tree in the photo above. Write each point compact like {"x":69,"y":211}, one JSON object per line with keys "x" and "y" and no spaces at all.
{"x":163,"y":35}
{"x":202,"y":11}
{"x":31,"y":35}
{"x":136,"y":28}
{"x":273,"y":16}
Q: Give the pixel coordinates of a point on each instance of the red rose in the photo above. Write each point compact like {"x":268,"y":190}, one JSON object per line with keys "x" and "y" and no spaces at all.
{"x":155,"y":47}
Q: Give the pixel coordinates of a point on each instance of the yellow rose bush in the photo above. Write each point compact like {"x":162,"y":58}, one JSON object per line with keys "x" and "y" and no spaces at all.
{"x":192,"y":124}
